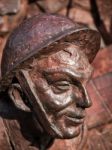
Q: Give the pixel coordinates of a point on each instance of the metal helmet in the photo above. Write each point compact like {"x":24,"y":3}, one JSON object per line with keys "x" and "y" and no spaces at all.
{"x":34,"y":34}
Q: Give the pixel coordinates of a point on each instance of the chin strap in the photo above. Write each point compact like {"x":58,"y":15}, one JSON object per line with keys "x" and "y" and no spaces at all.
{"x":35,"y":104}
{"x":16,"y":95}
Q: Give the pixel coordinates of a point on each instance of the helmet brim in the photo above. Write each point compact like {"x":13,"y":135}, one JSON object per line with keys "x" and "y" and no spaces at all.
{"x":88,"y":40}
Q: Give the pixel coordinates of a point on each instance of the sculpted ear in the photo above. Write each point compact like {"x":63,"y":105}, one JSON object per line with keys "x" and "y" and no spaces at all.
{"x":16,"y":95}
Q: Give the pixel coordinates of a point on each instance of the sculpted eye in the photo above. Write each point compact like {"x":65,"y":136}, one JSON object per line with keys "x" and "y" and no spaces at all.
{"x":60,"y":86}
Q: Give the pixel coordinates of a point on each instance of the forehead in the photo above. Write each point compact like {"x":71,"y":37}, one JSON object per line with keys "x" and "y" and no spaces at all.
{"x":70,"y":57}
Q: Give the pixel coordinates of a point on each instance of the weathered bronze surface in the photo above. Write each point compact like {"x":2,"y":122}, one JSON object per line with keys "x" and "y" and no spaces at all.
{"x":48,"y":58}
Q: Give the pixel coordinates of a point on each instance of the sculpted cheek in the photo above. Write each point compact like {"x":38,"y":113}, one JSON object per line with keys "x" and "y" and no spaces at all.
{"x":41,"y":85}
{"x":39,"y":81}
{"x":54,"y":103}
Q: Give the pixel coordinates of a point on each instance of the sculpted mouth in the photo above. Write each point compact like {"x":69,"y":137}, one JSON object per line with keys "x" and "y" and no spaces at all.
{"x":76,"y":115}
{"x":75,"y":120}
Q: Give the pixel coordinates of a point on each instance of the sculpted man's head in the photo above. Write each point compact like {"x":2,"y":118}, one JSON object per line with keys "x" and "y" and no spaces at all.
{"x":60,"y":81}
{"x":50,"y":56}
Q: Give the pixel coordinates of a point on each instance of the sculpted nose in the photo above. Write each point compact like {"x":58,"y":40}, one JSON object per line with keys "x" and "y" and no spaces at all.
{"x":87,"y":101}
{"x":84,"y":100}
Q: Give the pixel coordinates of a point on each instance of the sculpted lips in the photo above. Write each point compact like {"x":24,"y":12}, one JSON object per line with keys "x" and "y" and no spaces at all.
{"x":73,"y":117}
{"x":74,"y":120}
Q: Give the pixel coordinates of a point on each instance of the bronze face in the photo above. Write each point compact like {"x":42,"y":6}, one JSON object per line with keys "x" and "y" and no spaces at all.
{"x":60,"y":81}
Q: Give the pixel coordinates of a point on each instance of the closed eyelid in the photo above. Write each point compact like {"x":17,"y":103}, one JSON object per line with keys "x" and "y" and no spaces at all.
{"x":79,"y":78}
{"x":56,"y":77}
{"x":67,"y":74}
{"x":61,"y":84}
{"x":63,"y":81}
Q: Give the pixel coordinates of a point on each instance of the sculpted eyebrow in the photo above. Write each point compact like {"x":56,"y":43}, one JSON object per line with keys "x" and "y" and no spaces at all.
{"x":53,"y":77}
{"x":72,"y":77}
{"x":75,"y":78}
{"x":66,"y":71}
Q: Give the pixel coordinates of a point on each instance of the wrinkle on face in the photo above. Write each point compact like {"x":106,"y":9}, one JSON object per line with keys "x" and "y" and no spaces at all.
{"x":70,"y":57}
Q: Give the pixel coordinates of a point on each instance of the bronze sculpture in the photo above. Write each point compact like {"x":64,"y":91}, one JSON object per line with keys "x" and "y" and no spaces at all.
{"x":48,"y":57}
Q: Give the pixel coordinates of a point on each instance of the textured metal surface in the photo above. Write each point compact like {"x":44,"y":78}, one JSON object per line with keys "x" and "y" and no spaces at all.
{"x":40,"y":31}
{"x":100,"y":137}
{"x":53,"y":86}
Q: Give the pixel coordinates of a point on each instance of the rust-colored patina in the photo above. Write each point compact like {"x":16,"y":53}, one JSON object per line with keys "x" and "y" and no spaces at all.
{"x":40,"y":31}
{"x":49,"y":59}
